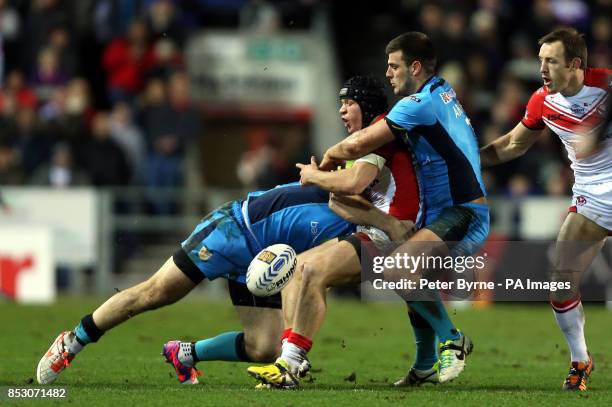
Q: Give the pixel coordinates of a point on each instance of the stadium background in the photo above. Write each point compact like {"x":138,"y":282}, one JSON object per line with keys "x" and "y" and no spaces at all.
{"x":122,"y":122}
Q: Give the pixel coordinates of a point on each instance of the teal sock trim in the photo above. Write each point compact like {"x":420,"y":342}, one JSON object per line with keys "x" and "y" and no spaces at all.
{"x":81,"y":335}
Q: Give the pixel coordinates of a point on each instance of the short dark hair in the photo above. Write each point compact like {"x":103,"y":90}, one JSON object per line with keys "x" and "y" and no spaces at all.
{"x":573,"y":43}
{"x":415,"y":46}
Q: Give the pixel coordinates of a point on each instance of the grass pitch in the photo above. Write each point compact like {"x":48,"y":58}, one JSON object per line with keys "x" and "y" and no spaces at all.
{"x":519,"y":359}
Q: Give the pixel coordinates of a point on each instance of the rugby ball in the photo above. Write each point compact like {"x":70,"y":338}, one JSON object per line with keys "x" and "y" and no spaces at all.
{"x":271,"y":270}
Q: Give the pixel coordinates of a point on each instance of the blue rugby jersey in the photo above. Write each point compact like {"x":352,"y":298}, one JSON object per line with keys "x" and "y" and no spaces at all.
{"x":225,"y":241}
{"x":432,"y":123}
{"x":294,"y":215}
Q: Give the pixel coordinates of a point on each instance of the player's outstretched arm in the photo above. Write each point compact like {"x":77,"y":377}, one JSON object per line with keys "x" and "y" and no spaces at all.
{"x":349,"y":181}
{"x":357,"y":145}
{"x":360,"y":211}
{"x":509,"y":146}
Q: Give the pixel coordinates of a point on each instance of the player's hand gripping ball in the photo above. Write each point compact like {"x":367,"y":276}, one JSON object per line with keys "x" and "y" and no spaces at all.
{"x":271,"y":270}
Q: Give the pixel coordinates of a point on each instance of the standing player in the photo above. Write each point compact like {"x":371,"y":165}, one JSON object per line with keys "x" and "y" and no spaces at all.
{"x":571,"y":102}
{"x":222,"y":245}
{"x":395,"y":191}
{"x":431,"y":123}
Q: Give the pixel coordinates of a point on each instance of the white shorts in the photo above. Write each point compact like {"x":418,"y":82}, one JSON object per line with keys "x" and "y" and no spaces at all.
{"x":594,"y":202}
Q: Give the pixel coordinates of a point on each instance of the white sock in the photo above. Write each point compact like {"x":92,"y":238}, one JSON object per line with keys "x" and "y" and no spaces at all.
{"x":293,"y":355}
{"x":572,"y":325}
{"x":185,"y":354}
{"x":72,"y":344}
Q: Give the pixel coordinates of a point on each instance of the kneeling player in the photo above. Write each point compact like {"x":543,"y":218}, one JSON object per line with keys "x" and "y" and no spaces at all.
{"x":222,"y":245}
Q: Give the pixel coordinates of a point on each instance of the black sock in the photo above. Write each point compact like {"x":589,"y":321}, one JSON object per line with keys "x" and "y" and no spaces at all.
{"x":241,"y":348}
{"x":194,"y":354}
{"x":93,"y":332}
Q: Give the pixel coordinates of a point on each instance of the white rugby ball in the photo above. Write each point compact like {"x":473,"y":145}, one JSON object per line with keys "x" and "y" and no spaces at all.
{"x":271,"y":270}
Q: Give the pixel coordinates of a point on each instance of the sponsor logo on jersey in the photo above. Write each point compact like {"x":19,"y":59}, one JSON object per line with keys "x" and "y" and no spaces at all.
{"x":581,"y":200}
{"x":553,"y":117}
{"x":204,"y":254}
{"x":448,"y":97}
{"x":416,"y":99}
{"x":266,"y":256}
{"x":458,"y":109}
{"x":577,"y":109}
{"x":314,"y":228}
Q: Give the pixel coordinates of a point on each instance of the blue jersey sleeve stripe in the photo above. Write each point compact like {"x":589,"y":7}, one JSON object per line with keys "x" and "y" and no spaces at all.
{"x":463,"y":182}
{"x":262,"y":206}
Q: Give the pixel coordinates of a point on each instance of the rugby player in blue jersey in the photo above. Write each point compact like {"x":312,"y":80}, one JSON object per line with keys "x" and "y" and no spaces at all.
{"x":222,"y":245}
{"x":430,"y":123}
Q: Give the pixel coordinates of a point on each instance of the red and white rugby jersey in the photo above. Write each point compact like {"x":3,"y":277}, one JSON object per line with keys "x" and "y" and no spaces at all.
{"x":395,"y":191}
{"x":570,"y":117}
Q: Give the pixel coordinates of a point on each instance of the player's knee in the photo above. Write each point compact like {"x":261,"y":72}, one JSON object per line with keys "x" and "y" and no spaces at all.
{"x":152,"y":299}
{"x":322,"y":276}
{"x":156,"y":295}
{"x":310,"y":276}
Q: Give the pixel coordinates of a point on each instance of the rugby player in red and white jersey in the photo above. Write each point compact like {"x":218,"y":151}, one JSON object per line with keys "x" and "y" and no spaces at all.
{"x":389,"y":183}
{"x":572,"y":103}
{"x":385,"y":178}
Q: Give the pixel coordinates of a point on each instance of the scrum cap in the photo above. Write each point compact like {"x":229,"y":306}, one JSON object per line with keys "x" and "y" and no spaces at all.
{"x":369,"y":93}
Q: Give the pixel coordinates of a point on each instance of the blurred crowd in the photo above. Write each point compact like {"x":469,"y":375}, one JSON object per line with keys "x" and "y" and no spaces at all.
{"x":95,"y":92}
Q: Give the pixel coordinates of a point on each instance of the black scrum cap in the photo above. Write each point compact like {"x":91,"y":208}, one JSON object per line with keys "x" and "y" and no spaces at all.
{"x":369,"y":93}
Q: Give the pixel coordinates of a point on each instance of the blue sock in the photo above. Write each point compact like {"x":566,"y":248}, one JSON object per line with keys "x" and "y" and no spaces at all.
{"x":227,"y":346}
{"x":426,"y":342}
{"x":437,"y":317}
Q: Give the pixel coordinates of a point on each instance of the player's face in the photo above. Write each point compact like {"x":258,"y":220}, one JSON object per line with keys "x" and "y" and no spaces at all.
{"x":556,"y":72}
{"x":350,"y":114}
{"x":398,"y":75}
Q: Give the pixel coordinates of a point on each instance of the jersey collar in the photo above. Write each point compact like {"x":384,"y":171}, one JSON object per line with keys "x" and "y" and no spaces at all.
{"x":430,"y":79}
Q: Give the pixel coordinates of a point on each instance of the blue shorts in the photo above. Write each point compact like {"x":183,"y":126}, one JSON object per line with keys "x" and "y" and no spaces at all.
{"x":465,"y":227}
{"x":219,"y":246}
